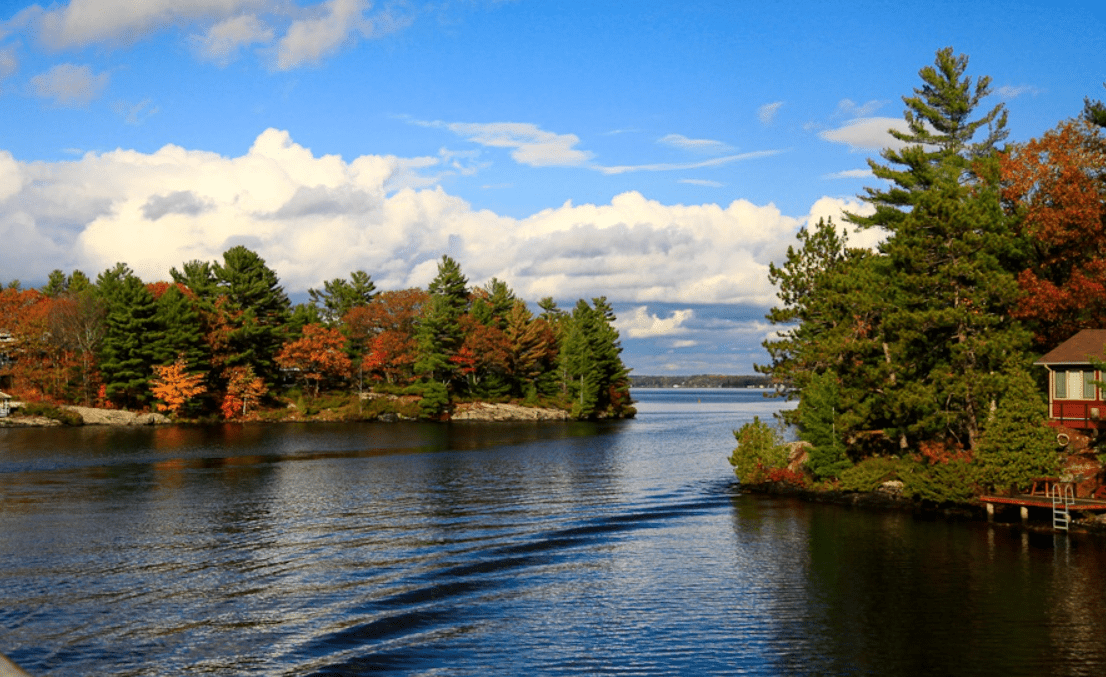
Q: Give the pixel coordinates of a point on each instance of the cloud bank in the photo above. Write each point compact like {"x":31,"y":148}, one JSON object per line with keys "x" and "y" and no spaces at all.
{"x":317,"y":217}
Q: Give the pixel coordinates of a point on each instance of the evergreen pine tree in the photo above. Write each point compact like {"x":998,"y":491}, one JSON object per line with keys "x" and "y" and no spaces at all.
{"x":257,"y":309}
{"x":339,"y":296}
{"x":1017,"y":446}
{"x":56,"y":285}
{"x":179,"y":332}
{"x":439,"y":332}
{"x":199,"y":277}
{"x":595,"y":377}
{"x":126,"y":354}
{"x":77,"y":282}
{"x":818,"y":425}
{"x":946,"y":329}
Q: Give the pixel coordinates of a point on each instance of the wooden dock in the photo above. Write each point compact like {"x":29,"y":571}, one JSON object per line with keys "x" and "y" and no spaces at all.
{"x":1036,"y":500}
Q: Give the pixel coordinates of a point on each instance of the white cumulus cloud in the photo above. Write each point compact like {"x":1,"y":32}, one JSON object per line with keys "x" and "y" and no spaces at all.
{"x":850,"y":174}
{"x":642,"y":324}
{"x":317,"y":217}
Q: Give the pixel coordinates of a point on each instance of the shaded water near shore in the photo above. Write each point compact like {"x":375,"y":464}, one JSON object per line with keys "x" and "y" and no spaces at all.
{"x":471,"y":549}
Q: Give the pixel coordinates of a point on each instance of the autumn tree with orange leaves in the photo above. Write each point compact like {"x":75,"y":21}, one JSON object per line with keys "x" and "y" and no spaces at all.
{"x":382,"y":332}
{"x":174,"y":386}
{"x":320,"y":354}
{"x":244,"y":390}
{"x":1054,"y":186}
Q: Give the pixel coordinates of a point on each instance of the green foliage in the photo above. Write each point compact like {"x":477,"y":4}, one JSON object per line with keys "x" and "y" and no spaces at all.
{"x":126,"y":351}
{"x":1094,"y":112}
{"x":302,"y":315}
{"x":869,"y":474}
{"x":949,"y":482}
{"x":199,"y":277}
{"x":595,"y":378}
{"x":760,"y":449}
{"x":1017,"y":446}
{"x":339,"y":296}
{"x":817,"y":425}
{"x":257,"y":308}
{"x":435,"y":400}
{"x":439,"y":332}
{"x":178,"y":331}
{"x":64,"y":416}
{"x":918,"y":330}
{"x":56,"y":285}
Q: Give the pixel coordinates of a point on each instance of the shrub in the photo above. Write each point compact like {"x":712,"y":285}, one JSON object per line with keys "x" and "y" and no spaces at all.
{"x":951,"y":482}
{"x":435,"y":398}
{"x":760,"y":449}
{"x":870,"y":473}
{"x":64,"y":416}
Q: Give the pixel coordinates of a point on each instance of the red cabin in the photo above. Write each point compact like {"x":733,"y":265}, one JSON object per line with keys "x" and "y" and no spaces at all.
{"x":1074,"y":399}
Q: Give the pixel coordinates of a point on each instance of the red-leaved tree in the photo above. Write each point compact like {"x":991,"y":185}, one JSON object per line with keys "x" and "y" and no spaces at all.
{"x":319,"y":354}
{"x":1055,"y":185}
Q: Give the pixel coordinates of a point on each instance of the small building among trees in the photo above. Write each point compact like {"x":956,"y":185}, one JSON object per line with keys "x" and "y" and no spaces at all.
{"x":1075,"y":400}
{"x":1076,"y":405}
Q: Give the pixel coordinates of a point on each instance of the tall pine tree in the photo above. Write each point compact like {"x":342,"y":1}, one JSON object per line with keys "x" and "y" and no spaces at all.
{"x":126,"y":354}
{"x":947,"y":329}
{"x":256,"y":307}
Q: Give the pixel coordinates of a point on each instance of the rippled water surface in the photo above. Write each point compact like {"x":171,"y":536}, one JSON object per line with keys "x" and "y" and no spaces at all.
{"x":475,"y":549}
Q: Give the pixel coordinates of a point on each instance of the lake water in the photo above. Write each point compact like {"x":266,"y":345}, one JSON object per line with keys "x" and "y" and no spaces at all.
{"x":509,"y":549}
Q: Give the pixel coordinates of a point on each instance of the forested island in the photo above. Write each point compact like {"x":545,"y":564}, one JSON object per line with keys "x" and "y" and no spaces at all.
{"x":221,"y":340}
{"x":700,"y":381}
{"x":913,"y":363}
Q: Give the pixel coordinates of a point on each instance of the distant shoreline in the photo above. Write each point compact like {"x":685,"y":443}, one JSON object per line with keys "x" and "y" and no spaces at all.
{"x":757,"y":381}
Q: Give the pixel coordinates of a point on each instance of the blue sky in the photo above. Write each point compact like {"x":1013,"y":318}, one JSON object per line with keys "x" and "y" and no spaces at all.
{"x":660,"y":154}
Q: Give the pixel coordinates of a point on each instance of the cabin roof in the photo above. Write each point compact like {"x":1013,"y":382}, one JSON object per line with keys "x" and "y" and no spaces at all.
{"x":4,"y":395}
{"x":1079,"y":349}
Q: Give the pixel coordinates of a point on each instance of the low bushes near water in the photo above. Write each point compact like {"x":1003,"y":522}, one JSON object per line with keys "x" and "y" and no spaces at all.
{"x":760,"y":452}
{"x":46,"y":410}
{"x":871,"y":473}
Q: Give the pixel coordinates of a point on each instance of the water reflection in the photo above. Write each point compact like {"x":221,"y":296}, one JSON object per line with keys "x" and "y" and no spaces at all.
{"x":890,"y":593}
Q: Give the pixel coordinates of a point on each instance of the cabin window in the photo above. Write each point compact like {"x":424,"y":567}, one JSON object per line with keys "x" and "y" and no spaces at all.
{"x":1073,"y":384}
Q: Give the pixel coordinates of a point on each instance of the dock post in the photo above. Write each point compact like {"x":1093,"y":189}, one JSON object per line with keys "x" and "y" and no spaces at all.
{"x":1025,"y":514}
{"x":990,"y":512}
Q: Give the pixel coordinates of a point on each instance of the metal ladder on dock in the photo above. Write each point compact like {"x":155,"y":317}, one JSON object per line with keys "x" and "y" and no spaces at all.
{"x":1063,"y":497}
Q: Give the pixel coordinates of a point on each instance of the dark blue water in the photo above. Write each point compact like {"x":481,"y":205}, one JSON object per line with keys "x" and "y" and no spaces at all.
{"x":511,"y":549}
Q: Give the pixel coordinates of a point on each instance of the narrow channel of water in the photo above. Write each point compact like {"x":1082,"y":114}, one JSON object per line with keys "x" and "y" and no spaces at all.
{"x":472,"y":549}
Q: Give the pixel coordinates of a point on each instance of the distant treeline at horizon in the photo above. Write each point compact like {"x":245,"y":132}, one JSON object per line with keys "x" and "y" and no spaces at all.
{"x":700,"y":381}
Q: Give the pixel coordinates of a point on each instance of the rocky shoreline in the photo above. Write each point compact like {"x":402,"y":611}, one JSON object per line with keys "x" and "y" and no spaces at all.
{"x":484,"y":411}
{"x":89,"y":416}
{"x":468,"y":411}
